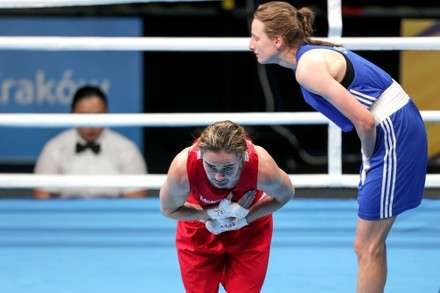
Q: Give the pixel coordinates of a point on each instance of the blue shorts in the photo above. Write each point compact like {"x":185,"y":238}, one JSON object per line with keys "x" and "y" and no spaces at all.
{"x":396,"y":179}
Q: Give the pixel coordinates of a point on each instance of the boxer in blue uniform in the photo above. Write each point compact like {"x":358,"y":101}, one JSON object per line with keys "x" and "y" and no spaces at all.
{"x":354,"y":94}
{"x":392,"y":185}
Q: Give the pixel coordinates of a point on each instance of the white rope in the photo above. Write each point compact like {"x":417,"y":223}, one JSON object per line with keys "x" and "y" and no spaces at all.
{"x":150,"y":181}
{"x":155,"y":181}
{"x":63,"y":3}
{"x":199,"y":44}
{"x":171,"y":119}
{"x":430,"y":115}
{"x":159,"y":120}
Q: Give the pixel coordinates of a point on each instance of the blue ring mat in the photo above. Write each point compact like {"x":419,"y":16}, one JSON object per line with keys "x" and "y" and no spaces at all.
{"x":126,"y":245}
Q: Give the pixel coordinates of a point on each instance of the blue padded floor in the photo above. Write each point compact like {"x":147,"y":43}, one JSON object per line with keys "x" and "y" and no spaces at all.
{"x":116,"y":246}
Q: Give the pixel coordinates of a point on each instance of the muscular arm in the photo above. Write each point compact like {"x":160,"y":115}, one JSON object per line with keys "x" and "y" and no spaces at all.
{"x":274,"y":182}
{"x":175,"y":191}
{"x":320,"y":71}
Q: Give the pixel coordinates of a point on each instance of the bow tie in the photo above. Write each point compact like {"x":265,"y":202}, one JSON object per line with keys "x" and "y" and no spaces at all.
{"x":96,"y":148}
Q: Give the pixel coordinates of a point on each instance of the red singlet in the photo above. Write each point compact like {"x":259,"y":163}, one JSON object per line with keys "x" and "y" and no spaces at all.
{"x":236,"y":259}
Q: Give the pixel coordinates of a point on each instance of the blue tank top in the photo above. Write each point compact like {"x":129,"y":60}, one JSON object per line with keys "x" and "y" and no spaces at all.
{"x":368,"y":83}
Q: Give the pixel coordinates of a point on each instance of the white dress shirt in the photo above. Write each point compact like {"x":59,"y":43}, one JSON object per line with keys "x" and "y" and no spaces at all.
{"x":118,"y":155}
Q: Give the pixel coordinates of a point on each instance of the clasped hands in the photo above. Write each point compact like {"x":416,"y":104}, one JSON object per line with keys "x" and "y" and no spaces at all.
{"x":228,"y":215}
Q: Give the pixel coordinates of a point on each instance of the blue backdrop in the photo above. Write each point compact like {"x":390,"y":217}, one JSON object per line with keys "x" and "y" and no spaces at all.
{"x":44,"y":81}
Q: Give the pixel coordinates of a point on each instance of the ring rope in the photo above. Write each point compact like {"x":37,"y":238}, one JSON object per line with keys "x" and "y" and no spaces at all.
{"x":159,"y":120}
{"x":200,"y":44}
{"x":155,"y":181}
{"x":41,"y":120}
{"x":65,"y":3}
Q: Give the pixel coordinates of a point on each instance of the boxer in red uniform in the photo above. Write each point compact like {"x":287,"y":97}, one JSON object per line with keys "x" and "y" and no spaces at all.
{"x":223,"y":191}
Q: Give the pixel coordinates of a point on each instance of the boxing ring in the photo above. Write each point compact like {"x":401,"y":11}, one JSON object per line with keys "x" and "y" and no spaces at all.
{"x":114,"y":246}
{"x":100,"y":245}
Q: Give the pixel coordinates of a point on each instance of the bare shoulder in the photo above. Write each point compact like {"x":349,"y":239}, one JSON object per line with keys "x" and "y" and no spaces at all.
{"x":268,"y":170}
{"x":320,"y":68}
{"x":315,"y":56}
{"x":181,"y":158}
{"x":175,"y":190}
{"x":310,"y":61}
{"x":177,"y":177}
{"x":263,"y":155}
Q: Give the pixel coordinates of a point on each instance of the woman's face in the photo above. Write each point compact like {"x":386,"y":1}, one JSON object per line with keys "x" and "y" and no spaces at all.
{"x":222,"y":169}
{"x":264,"y":48}
{"x":92,"y":105}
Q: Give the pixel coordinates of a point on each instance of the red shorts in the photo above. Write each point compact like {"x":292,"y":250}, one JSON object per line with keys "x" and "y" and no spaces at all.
{"x":236,"y":259}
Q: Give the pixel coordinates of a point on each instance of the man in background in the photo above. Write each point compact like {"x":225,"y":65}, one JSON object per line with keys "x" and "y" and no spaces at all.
{"x":90,"y":151}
